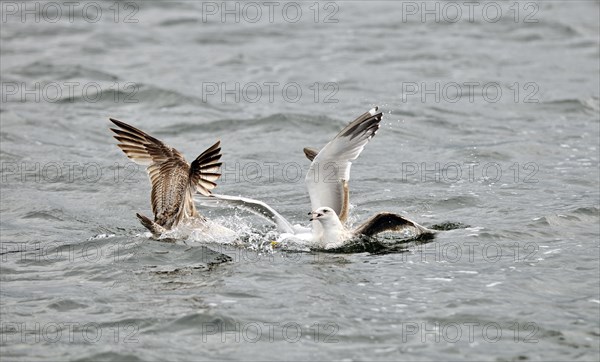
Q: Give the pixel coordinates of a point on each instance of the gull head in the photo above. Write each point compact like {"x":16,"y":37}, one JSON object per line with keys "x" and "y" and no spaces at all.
{"x":333,"y":232}
{"x":325,"y":215}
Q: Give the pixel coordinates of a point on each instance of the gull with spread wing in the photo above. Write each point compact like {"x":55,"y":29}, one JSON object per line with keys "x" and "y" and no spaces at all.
{"x":327,"y":184}
{"x":174,"y":180}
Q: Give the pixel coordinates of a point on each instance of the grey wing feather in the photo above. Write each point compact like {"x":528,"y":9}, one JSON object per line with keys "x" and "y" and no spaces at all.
{"x":329,"y":171}
{"x":254,"y":206}
{"x":386,"y":221}
{"x":311,"y":153}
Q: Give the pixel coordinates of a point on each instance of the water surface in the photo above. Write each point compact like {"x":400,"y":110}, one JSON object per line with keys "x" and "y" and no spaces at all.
{"x":491,"y":124}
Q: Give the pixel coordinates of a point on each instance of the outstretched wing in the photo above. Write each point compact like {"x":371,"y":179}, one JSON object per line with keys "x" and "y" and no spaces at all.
{"x":329,"y":172}
{"x":142,"y":148}
{"x":254,"y":206}
{"x":168,"y":171}
{"x":206,"y":169}
{"x":386,"y":221}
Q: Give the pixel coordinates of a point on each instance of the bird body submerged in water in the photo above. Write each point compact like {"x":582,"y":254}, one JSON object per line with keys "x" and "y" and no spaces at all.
{"x":174,"y":180}
{"x":333,"y":233}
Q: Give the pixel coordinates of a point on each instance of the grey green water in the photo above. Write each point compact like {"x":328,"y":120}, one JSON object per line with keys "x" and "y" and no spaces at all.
{"x":491,"y":121}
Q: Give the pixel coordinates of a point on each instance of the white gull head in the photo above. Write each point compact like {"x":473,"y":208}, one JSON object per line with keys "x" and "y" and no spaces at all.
{"x":332,"y":233}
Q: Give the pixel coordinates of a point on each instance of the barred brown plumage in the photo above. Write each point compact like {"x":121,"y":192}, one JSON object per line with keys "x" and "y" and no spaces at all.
{"x":174,"y":181}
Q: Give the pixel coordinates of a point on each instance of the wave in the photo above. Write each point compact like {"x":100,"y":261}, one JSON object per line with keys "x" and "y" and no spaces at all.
{"x":590,"y":106}
{"x":60,"y":72}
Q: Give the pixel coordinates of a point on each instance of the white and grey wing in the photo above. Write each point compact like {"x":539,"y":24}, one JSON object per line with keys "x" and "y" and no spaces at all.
{"x":254,"y":206}
{"x":310,"y":153}
{"x":330,"y":168}
{"x":386,"y":221}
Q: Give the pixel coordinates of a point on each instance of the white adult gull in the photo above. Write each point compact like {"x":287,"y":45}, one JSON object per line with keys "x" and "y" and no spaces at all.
{"x":327,"y":184}
{"x":174,"y":180}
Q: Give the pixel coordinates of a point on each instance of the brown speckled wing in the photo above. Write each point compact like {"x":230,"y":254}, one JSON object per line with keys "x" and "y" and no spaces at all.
{"x":206,"y":170}
{"x":170,"y":189}
{"x":141,"y":147}
{"x":168,"y":171}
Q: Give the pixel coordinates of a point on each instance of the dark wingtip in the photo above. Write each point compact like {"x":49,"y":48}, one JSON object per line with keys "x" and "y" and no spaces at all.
{"x":115,"y":131}
{"x":145,"y":221}
{"x":122,"y":124}
{"x":310,"y":153}
{"x":115,"y":121}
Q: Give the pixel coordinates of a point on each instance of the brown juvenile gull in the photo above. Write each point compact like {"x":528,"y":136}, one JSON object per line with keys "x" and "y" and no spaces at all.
{"x":327,"y":183}
{"x":174,"y":181}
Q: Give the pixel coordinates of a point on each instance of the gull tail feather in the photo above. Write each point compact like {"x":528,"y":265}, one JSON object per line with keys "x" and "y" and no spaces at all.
{"x":154,"y":228}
